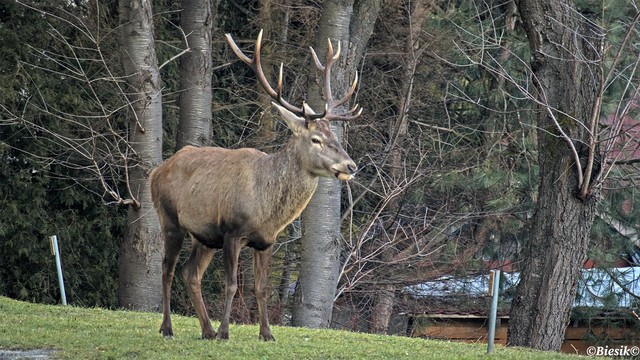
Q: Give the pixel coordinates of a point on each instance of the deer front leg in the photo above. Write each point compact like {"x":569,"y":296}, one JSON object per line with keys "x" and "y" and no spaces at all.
{"x":261,"y":263}
{"x":230,"y":254}
{"x":192,"y":274}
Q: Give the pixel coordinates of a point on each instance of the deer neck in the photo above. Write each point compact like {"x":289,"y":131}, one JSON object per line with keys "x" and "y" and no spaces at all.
{"x":289,"y":179}
{"x":286,"y":184}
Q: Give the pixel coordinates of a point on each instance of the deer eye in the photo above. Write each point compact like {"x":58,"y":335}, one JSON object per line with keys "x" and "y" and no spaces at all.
{"x":316,"y":140}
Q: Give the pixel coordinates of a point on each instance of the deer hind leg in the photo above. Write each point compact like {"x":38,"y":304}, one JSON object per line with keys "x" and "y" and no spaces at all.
{"x":230,"y":254}
{"x":173,"y":239}
{"x":261,"y":263}
{"x":192,"y":274}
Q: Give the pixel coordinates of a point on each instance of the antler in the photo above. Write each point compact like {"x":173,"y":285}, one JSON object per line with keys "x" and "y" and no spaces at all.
{"x":256,"y":65}
{"x":332,"y":104}
{"x":304,"y":111}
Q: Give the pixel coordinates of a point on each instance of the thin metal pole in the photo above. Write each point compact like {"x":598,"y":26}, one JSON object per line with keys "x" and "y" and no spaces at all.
{"x":495,"y":275}
{"x":56,"y":252}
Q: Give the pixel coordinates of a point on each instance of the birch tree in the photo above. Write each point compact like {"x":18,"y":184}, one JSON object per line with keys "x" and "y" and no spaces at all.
{"x":194,"y":126}
{"x":321,"y":236}
{"x":140,"y":261}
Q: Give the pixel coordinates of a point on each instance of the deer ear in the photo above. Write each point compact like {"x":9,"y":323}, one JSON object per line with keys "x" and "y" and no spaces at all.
{"x":294,"y":122}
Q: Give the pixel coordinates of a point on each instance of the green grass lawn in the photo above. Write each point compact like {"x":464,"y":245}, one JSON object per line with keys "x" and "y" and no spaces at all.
{"x":80,"y":333}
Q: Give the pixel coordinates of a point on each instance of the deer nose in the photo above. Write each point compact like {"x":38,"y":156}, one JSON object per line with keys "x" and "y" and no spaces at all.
{"x":345,"y":171}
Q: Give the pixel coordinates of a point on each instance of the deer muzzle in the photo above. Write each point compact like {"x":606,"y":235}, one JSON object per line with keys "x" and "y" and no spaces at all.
{"x":345,"y":171}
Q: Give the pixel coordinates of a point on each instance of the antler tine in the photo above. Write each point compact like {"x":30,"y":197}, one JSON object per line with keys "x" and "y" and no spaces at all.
{"x":331,"y":59}
{"x":256,"y":65}
{"x":347,"y":116}
{"x":316,"y":60}
{"x":245,"y":59}
{"x":349,"y":93}
{"x":330,"y":55}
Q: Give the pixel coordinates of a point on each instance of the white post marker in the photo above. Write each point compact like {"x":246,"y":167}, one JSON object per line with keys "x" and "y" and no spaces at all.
{"x":494,"y":287}
{"x":53,"y":241}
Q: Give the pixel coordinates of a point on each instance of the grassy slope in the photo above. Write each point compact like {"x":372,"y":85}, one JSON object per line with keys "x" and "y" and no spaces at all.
{"x":79,"y":333}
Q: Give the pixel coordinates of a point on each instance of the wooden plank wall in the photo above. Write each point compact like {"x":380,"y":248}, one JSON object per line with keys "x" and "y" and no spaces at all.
{"x":476,"y":330}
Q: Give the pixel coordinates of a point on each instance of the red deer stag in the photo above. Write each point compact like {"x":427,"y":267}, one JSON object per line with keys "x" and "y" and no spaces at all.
{"x":226,"y":199}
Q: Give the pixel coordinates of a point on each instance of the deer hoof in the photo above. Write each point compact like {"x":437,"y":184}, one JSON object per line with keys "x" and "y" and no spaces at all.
{"x":208,"y":335}
{"x":167,"y":333}
{"x":267,"y":337}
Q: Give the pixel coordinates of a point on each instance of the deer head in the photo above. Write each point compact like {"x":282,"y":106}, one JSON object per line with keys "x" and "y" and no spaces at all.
{"x":325,"y":156}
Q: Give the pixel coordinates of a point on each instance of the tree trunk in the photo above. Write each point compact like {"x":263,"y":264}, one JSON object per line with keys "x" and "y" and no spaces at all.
{"x":382,"y":310}
{"x":140,"y":262}
{"x":365,"y":14}
{"x":313,"y":305}
{"x":194,"y":127}
{"x":566,"y":84}
{"x":319,"y":257}
{"x":320,"y":244}
{"x":384,"y":297}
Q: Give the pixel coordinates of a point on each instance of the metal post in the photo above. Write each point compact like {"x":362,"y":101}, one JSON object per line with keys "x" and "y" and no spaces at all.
{"x":494,"y":284}
{"x":56,"y":252}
